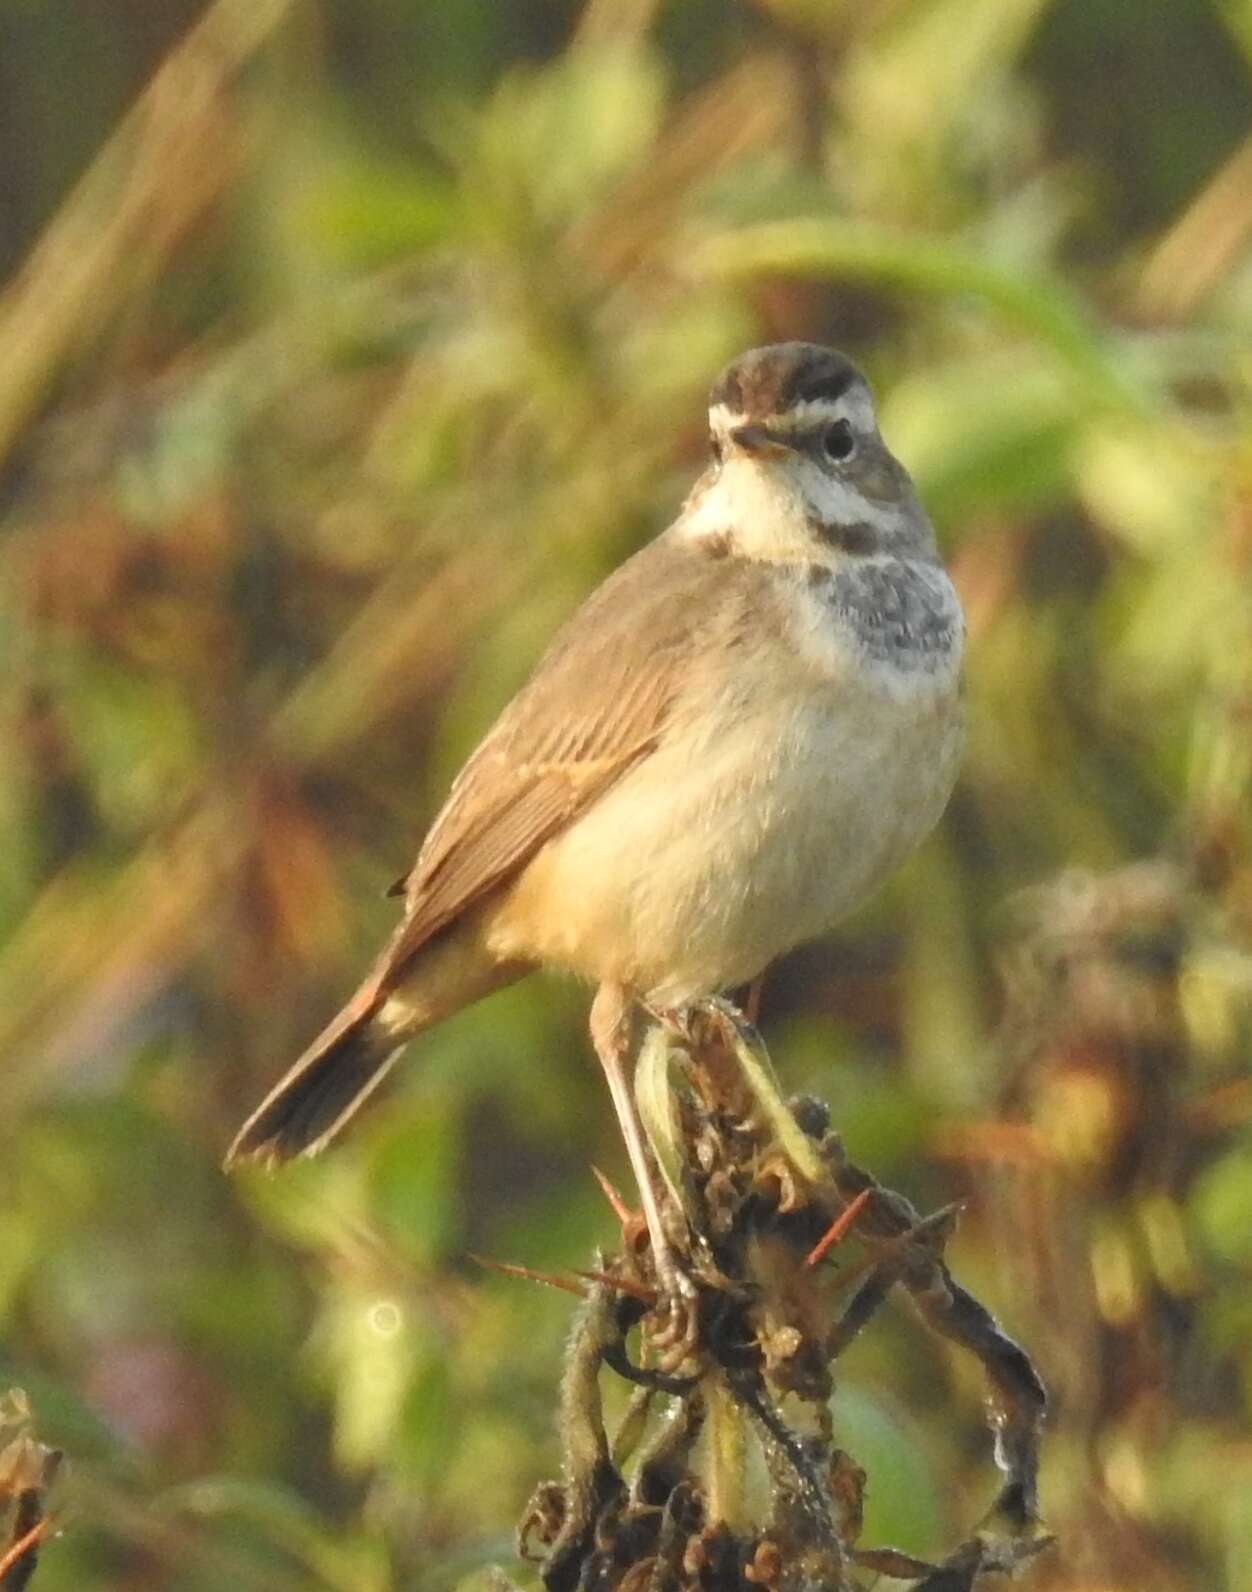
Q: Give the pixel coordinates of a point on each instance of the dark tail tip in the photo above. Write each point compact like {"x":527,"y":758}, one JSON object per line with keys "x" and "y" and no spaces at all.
{"x":329,"y":1083}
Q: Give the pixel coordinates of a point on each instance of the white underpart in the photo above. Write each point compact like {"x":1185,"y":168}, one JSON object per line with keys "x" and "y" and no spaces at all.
{"x":791,"y":778}
{"x":788,"y":784}
{"x":762,"y":818}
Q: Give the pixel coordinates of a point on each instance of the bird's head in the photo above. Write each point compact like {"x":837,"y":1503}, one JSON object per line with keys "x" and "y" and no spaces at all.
{"x":796,"y":453}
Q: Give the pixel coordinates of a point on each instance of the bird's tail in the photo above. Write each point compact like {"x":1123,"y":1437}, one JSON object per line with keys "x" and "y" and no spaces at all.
{"x":328,"y":1084}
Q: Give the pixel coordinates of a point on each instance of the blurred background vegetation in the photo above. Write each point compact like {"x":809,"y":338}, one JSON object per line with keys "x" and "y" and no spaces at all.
{"x":344,"y":345}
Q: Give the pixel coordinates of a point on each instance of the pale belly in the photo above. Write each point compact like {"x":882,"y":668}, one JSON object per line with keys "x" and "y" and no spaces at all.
{"x":720,"y":852}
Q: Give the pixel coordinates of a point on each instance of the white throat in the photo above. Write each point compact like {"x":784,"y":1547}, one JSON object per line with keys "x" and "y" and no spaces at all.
{"x":763,"y":516}
{"x":767,"y":511}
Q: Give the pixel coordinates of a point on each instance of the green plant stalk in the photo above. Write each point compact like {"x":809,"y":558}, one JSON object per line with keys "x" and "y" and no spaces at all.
{"x":726,"y":1444}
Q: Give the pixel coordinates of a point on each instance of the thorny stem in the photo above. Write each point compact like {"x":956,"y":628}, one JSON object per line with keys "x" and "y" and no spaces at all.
{"x":762,"y":1191}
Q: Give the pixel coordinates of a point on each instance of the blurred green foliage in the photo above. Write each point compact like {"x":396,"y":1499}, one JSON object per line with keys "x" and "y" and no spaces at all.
{"x":344,"y":347}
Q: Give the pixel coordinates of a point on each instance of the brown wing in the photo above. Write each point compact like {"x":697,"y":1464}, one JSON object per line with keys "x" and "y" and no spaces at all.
{"x":593,"y":708}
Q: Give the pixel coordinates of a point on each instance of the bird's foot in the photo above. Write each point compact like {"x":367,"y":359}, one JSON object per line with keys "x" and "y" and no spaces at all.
{"x":675,"y":1328}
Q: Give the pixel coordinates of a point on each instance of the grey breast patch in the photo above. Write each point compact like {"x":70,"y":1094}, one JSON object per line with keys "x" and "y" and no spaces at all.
{"x":898,"y":613}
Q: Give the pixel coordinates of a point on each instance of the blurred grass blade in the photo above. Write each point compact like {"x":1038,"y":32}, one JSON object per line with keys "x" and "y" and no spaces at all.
{"x":1037,"y":304}
{"x":162,"y":168}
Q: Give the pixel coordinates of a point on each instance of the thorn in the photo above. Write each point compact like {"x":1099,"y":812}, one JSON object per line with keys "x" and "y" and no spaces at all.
{"x":548,"y":1278}
{"x":838,"y":1229}
{"x":939,"y":1223}
{"x":621,"y":1210}
{"x":24,"y":1544}
{"x":636,"y":1290}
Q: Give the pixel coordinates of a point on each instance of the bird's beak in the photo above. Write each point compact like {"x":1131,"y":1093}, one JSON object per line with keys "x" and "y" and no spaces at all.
{"x":760,"y":441}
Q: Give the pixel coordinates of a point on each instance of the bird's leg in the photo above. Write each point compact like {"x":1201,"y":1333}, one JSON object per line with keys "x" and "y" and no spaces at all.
{"x":610,"y":1034}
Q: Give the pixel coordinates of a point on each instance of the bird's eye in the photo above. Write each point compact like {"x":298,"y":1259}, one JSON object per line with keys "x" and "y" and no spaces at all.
{"x":838,"y":443}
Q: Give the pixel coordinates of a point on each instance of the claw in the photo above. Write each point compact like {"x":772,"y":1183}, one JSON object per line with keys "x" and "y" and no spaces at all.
{"x":675,"y":1332}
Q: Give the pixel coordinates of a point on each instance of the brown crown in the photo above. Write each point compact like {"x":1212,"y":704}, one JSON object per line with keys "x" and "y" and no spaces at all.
{"x":771,"y":380}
